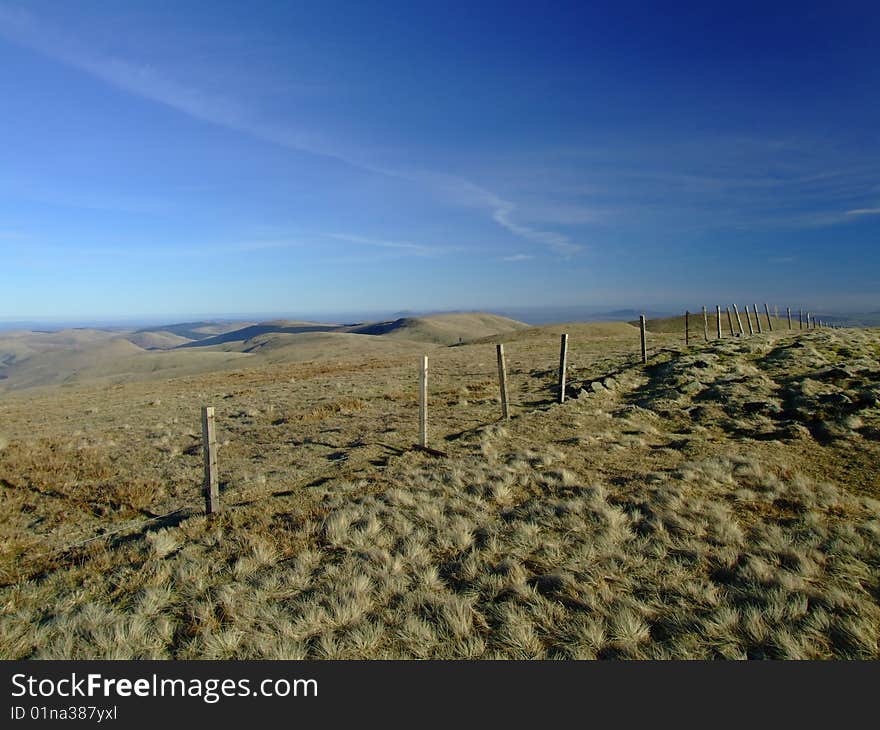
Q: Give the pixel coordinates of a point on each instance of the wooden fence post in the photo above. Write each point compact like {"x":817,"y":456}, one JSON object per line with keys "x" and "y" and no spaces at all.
{"x":563,"y":365}
{"x":739,"y":321}
{"x":800,"y":319}
{"x":705,"y":323}
{"x":644,"y":340}
{"x":687,"y":328}
{"x":788,"y":313}
{"x":502,"y":380}
{"x":757,"y":318}
{"x":718,"y":318}
{"x":749,"y":321}
{"x":209,"y":448}
{"x":769,"y":323}
{"x":730,"y":322}
{"x":423,"y":402}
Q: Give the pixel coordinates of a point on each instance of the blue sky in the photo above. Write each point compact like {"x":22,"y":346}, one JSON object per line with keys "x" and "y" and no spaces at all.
{"x":162,"y":158}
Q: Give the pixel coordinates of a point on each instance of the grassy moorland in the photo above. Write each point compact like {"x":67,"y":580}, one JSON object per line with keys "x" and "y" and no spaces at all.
{"x":720,"y":502}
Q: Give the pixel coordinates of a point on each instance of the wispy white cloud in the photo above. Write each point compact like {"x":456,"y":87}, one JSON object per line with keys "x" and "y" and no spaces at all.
{"x":268,"y":245}
{"x":568,"y":214}
{"x":864,"y":211}
{"x":518,"y":257}
{"x":147,"y":82}
{"x":555,"y":241}
{"x":158,"y":252}
{"x":704,"y":182}
{"x":415,"y":249}
{"x":501,"y":211}
{"x":22,"y":28}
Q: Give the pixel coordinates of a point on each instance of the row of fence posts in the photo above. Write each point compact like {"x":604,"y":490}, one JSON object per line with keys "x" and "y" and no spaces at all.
{"x":209,"y":438}
{"x":811,"y":323}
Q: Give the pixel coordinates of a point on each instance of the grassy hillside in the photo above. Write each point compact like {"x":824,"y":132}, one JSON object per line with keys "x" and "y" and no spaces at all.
{"x":677,"y":324}
{"x":37,"y":359}
{"x":237,"y":337}
{"x":196,"y":330}
{"x":118,"y":361}
{"x":19,"y":345}
{"x":592,"y":331}
{"x":328,"y":346}
{"x":443,"y":329}
{"x":721,"y":502}
{"x":157,"y":340}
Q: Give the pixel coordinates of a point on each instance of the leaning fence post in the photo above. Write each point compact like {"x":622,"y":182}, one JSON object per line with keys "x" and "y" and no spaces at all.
{"x":563,"y":364}
{"x":718,"y":319}
{"x":758,"y":319}
{"x":209,"y":448}
{"x":730,"y":322}
{"x":502,"y":380}
{"x":643,"y":338}
{"x":749,"y":321}
{"x":705,"y":324}
{"x":423,"y":402}
{"x":687,"y":328}
{"x":788,"y":313}
{"x":739,"y":321}
{"x":769,"y":323}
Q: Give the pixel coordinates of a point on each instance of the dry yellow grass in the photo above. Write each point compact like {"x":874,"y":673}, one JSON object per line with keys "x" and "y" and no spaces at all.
{"x":721,"y":502}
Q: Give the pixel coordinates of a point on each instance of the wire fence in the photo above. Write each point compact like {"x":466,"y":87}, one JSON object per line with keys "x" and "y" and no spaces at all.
{"x":702,"y":326}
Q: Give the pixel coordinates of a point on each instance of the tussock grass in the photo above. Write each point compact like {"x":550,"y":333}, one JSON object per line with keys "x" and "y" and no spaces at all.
{"x":653,"y":520}
{"x":343,"y":406}
{"x":437,"y":570}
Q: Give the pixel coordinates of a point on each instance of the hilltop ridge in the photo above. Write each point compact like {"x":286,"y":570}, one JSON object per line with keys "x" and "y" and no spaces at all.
{"x":37,"y":359}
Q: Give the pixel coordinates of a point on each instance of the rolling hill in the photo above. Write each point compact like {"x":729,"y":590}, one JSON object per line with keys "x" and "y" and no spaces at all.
{"x":441,"y":329}
{"x":116,"y":361}
{"x":677,"y":324}
{"x":720,"y":502}
{"x":241,"y":335}
{"x":37,"y":359}
{"x":197,"y":330}
{"x":159,"y":340}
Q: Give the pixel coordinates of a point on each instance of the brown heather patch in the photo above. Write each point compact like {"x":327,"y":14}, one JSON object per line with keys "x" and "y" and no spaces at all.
{"x":343,"y":406}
